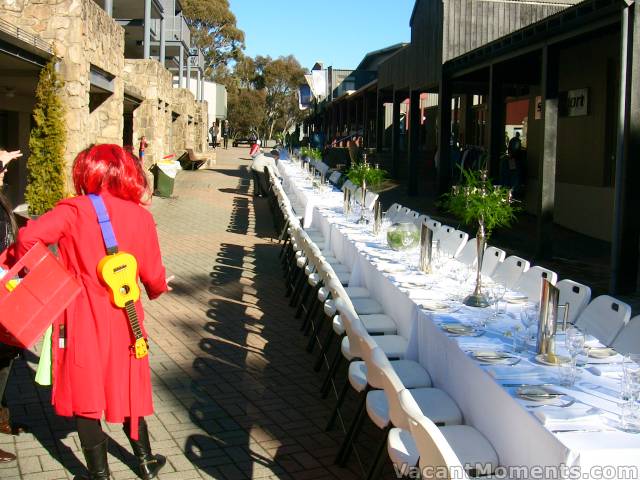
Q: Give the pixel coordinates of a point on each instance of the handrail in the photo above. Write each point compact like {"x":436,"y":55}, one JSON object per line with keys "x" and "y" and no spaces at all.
{"x":25,"y":36}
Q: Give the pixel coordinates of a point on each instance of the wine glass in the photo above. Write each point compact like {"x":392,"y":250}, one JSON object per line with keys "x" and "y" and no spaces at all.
{"x":528,"y":318}
{"x":574,"y":341}
{"x":498,"y":291}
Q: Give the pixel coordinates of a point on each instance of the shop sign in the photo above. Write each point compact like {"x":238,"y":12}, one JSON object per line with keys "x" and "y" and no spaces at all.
{"x":574,"y":103}
{"x":538,"y":114}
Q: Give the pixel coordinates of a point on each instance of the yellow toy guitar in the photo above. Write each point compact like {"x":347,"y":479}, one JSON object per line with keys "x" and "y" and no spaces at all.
{"x":119,"y":272}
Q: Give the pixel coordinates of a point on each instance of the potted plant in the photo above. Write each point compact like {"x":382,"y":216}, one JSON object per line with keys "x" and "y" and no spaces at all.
{"x":478,"y":202}
{"x":46,"y":165}
{"x":365,"y":176}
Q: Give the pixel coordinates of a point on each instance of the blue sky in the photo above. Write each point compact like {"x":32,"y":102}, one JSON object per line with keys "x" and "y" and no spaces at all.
{"x":338,"y":32}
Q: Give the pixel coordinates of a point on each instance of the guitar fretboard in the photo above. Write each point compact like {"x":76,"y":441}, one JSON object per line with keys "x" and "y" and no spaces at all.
{"x":130,"y":307}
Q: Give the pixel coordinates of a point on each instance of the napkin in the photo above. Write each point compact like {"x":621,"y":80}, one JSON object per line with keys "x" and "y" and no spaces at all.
{"x":391,"y":267}
{"x":611,"y":370}
{"x":577,"y":417}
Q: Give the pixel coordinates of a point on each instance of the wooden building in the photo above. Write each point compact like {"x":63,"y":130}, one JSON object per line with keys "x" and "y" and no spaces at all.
{"x":573,"y":69}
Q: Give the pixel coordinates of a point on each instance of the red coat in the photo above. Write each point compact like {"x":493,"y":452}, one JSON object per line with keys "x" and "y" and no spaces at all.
{"x":94,"y":372}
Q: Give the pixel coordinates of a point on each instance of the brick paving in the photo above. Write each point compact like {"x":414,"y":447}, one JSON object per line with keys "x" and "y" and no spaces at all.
{"x":235,"y":394}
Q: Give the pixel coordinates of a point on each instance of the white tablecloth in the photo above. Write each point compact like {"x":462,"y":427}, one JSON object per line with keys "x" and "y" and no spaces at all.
{"x":481,"y":392}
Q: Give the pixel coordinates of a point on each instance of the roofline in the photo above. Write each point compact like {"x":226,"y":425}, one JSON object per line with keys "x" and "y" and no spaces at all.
{"x":396,"y":46}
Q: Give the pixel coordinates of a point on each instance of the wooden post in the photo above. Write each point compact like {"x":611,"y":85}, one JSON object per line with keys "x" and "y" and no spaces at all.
{"x":443,"y":174}
{"x":395,"y":137}
{"x":496,"y":121}
{"x":626,"y":225}
{"x":379,"y":120}
{"x":414,"y":140}
{"x":547,"y":165}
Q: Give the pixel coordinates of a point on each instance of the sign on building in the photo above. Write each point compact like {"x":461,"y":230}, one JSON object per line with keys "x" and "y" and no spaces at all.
{"x":574,"y":103}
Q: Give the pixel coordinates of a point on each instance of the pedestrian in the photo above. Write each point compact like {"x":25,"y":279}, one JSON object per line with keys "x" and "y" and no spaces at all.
{"x":8,"y":353}
{"x":143,"y":146}
{"x":514,"y":151}
{"x":260,"y":161}
{"x":214,"y":134}
{"x":96,"y":372}
{"x":225,"y":134}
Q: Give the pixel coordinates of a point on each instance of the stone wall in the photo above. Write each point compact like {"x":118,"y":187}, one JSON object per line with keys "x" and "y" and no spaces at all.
{"x":153,"y":117}
{"x":81,"y":34}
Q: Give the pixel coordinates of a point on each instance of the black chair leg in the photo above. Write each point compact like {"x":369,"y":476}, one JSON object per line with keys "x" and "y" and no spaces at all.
{"x":317,"y":328}
{"x":376,"y":468}
{"x":354,"y":429}
{"x":324,"y":350}
{"x":336,"y":410}
{"x":326,"y":386}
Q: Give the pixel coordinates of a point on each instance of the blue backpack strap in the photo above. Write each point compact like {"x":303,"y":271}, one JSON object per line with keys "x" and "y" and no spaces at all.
{"x":105,"y":223}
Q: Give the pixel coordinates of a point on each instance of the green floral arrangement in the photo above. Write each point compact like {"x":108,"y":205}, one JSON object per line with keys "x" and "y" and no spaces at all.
{"x":312,"y":153}
{"x":478,"y":201}
{"x":46,"y":164}
{"x":360,"y":172}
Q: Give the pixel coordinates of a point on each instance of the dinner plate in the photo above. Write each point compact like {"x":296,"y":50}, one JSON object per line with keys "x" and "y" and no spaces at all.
{"x":542,"y":359}
{"x":602,"y":352}
{"x":460,"y":329}
{"x":493,"y":356}
{"x":534,"y":393}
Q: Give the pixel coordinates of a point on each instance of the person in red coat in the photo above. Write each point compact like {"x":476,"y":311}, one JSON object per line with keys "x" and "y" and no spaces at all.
{"x":95,"y":373}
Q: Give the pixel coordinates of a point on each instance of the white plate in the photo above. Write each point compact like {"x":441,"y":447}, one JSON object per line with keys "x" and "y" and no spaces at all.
{"x":602,"y":352}
{"x":542,"y":359}
{"x":533,"y":393}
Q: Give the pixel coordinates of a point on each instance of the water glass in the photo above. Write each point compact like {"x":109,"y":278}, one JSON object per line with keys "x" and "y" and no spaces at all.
{"x":498,"y":292}
{"x":529,"y":317}
{"x":574,"y":341}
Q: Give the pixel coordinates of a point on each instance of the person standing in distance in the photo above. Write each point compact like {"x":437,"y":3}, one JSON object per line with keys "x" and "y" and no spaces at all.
{"x":225,"y":134}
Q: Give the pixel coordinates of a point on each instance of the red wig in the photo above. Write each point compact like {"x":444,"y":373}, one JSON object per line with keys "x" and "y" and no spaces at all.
{"x":111,"y":168}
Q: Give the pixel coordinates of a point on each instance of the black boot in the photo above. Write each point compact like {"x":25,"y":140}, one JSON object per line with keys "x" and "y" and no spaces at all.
{"x":149,"y":464}
{"x":97,"y":464}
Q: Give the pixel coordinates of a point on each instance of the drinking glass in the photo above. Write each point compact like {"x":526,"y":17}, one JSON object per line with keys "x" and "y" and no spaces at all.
{"x":630,"y":407}
{"x":528,"y":318}
{"x":574,"y":341}
{"x":498,"y":292}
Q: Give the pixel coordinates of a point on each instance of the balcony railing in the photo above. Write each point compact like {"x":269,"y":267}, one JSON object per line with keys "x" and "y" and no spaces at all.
{"x":26,"y":37}
{"x":177,"y":30}
{"x":196,"y":58}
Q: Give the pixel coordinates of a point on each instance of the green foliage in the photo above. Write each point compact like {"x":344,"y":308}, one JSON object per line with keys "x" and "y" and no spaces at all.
{"x":214,"y":29}
{"x":360,"y":171}
{"x":245,"y":110}
{"x":477,"y":200}
{"x":312,"y":153}
{"x":46,"y":165}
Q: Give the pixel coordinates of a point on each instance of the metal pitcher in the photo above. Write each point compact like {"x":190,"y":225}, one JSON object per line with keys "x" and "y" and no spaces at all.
{"x":547,"y":322}
{"x":426,"y":240}
{"x":377,"y":217}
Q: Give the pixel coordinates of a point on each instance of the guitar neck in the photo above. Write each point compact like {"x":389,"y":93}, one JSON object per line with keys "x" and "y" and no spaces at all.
{"x":130,"y":307}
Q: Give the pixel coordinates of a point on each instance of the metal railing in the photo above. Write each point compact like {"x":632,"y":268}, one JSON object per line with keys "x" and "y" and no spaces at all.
{"x":26,"y":37}
{"x":197,"y":60}
{"x":177,"y":30}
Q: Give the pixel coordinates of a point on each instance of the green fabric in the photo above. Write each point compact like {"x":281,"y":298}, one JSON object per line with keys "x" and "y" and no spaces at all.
{"x":43,"y":373}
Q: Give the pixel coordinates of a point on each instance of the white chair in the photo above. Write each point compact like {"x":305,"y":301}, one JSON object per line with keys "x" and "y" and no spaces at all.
{"x":432,"y":402}
{"x":530,"y":283}
{"x":334,"y":178}
{"x":453,"y":242}
{"x":441,"y":233}
{"x":370,"y":200}
{"x":603,"y":318}
{"x":422,"y":220}
{"x":492,"y":258}
{"x":348,"y":185}
{"x":469,"y":444}
{"x":453,"y":450}
{"x":510,"y":270}
{"x":575,"y":295}
{"x":469,"y":253}
{"x":628,"y":339}
{"x":393,"y":212}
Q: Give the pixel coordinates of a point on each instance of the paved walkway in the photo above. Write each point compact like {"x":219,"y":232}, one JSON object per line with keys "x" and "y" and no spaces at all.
{"x":235,"y":393}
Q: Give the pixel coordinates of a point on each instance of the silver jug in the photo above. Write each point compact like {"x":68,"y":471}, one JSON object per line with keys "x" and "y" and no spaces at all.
{"x":547,"y":322}
{"x":426,"y":240}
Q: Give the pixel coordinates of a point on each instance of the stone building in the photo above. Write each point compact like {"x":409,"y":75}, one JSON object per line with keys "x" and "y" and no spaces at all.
{"x":109,"y":97}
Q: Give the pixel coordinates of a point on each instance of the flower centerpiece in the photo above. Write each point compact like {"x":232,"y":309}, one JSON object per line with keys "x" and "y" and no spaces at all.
{"x":478,"y":202}
{"x":365,"y":176}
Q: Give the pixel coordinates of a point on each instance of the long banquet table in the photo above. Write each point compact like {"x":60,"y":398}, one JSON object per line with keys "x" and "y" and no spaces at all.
{"x":486,"y":394}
